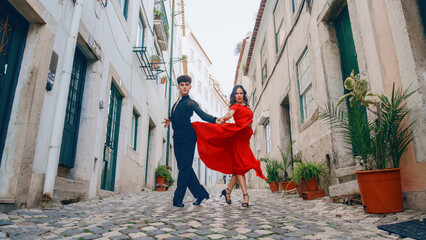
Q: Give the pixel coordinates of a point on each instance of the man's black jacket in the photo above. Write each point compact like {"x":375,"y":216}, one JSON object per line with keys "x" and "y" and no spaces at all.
{"x":181,"y":119}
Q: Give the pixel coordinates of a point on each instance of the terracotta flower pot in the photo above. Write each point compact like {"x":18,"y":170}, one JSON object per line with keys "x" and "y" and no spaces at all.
{"x":312,"y":184}
{"x":161,"y":180}
{"x":288,"y":185}
{"x":161,"y":188}
{"x":274,"y":186}
{"x":381,"y":190}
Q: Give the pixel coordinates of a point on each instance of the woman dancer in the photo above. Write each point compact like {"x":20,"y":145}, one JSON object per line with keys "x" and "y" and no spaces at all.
{"x":226,"y":147}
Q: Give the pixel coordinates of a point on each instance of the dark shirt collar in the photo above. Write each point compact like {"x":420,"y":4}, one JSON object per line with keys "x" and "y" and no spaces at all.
{"x":185,"y":97}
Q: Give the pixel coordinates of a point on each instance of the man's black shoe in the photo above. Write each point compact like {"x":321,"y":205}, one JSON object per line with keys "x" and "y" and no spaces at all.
{"x":178,"y":205}
{"x":199,"y":200}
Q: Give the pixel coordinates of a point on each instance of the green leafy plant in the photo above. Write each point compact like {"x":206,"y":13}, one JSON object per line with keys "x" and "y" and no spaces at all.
{"x":165,"y":171}
{"x":162,"y":171}
{"x":377,"y":142}
{"x":184,"y":57}
{"x":288,"y":160}
{"x":307,"y":170}
{"x":272,"y":169}
{"x":155,"y":57}
{"x":158,"y":13}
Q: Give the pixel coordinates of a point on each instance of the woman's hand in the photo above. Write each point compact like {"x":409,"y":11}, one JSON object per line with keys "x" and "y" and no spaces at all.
{"x":166,"y":122}
{"x":220,"y":120}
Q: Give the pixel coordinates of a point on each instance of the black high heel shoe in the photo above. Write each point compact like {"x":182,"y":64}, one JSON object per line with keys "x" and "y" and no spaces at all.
{"x":224,"y":193}
{"x":245,"y":204}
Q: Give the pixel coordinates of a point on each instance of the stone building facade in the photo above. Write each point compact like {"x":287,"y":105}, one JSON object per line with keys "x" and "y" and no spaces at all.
{"x":298,"y":56}
{"x":82,"y":110}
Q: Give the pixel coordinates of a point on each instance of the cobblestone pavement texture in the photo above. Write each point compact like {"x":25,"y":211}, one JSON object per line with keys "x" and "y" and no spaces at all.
{"x":150,"y":215}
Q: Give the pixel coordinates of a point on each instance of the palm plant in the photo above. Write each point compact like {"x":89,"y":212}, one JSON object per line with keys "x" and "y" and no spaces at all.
{"x":288,"y":160}
{"x":379,"y":141}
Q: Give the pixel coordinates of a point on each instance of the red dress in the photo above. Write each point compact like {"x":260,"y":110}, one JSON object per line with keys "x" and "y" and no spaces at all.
{"x":226,"y":148}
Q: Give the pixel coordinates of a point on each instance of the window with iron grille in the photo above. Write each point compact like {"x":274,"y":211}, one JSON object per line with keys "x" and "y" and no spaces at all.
{"x":307,"y":105}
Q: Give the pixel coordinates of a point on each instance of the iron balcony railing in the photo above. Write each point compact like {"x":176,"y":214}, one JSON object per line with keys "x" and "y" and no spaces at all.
{"x":145,"y":63}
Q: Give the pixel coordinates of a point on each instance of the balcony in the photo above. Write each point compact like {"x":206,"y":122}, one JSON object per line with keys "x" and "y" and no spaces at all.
{"x":145,"y":63}
{"x":161,"y":25}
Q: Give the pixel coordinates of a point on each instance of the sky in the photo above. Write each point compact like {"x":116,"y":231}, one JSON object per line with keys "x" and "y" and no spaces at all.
{"x":219,"y":25}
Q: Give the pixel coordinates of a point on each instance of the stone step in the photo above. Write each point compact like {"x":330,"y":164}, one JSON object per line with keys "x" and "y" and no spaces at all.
{"x":347,"y":188}
{"x":342,"y":172}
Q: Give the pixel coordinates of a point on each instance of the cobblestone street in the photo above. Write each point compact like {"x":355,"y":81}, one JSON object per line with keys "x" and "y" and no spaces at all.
{"x":149,"y":215}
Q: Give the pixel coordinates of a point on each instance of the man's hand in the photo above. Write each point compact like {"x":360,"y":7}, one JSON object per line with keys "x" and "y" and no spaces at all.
{"x":166,"y":122}
{"x":220,"y":120}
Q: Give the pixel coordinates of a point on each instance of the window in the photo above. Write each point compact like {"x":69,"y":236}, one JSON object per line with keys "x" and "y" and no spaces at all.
{"x":267,"y":128}
{"x":134,"y":133}
{"x":123,"y":5}
{"x":295,"y":4}
{"x":140,"y":34}
{"x":307,"y":107}
{"x":278,"y":25}
{"x":263,"y":60}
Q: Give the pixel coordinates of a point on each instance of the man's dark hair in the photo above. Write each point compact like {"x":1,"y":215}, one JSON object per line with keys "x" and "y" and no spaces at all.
{"x":184,"y":78}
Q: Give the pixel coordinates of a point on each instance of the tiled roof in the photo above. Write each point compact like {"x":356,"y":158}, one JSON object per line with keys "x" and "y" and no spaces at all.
{"x":253,"y":38}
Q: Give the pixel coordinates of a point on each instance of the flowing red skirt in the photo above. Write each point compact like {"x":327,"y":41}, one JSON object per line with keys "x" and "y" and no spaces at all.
{"x":226,"y":148}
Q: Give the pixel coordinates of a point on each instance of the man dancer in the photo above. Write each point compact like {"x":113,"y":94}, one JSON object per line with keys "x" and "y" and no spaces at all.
{"x":184,"y":139}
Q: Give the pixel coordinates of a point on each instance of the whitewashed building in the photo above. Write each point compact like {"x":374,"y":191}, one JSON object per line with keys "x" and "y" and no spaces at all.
{"x":207,"y":92}
{"x":82,"y":114}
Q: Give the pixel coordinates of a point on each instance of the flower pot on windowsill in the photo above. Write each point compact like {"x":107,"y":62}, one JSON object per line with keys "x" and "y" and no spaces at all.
{"x":380,"y":190}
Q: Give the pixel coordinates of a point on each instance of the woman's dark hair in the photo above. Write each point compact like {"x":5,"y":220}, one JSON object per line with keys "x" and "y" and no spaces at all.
{"x":184,"y":78}
{"x":232,"y":99}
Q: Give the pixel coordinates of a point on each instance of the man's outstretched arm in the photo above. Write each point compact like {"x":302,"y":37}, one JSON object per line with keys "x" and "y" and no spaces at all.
{"x":206,"y":117}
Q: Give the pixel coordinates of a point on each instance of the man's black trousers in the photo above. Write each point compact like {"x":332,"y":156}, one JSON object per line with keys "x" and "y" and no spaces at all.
{"x":184,"y":153}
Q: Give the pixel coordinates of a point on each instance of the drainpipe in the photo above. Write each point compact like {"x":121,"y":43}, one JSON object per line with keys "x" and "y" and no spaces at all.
{"x":170,"y":80}
{"x":58,"y":123}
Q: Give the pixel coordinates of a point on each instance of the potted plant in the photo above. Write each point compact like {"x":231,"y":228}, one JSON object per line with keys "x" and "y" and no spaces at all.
{"x":288,"y":161}
{"x":161,"y":172}
{"x":377,"y":141}
{"x":155,"y":59}
{"x":272,"y":170}
{"x":163,"y":79}
{"x":307,"y":175}
{"x":158,"y":14}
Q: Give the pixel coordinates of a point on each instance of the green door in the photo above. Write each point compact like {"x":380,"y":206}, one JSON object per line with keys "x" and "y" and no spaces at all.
{"x":345,"y":40}
{"x":111,"y":140}
{"x":13,"y":33}
{"x":348,"y":56}
{"x":72,"y":115}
